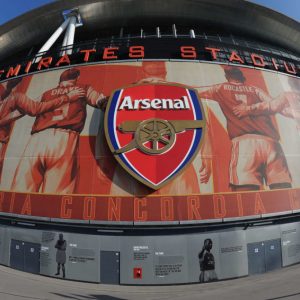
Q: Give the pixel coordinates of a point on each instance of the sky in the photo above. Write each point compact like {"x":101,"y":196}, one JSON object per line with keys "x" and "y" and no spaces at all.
{"x":13,"y":8}
{"x":290,"y":8}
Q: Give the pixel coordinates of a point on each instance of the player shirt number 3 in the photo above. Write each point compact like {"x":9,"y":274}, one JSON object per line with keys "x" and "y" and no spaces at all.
{"x":70,"y":115}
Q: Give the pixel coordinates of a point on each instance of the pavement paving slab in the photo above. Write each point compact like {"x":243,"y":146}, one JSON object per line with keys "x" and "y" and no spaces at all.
{"x":283,"y":284}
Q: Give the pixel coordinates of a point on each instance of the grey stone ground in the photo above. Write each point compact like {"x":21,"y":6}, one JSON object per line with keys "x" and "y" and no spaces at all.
{"x":280,"y":285}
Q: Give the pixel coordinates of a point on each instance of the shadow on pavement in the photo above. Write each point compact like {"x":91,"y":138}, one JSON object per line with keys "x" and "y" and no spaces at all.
{"x":87,"y":297}
{"x":281,"y":297}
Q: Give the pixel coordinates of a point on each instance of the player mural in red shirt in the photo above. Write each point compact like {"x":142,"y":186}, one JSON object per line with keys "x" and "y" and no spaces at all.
{"x":293,"y":98}
{"x":5,"y":91}
{"x":256,"y":157}
{"x":15,"y":105}
{"x":287,"y":104}
{"x":49,"y":163}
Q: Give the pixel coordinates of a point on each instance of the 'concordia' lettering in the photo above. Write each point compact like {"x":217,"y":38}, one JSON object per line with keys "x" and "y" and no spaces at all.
{"x":155,"y":103}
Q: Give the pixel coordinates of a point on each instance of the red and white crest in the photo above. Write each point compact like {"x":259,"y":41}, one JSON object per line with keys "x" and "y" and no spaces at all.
{"x":154,"y":130}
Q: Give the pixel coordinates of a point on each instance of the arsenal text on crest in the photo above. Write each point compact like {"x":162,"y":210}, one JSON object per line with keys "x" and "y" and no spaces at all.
{"x":155,"y":103}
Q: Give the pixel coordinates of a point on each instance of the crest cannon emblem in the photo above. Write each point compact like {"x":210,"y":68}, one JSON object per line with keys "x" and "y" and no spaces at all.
{"x":154,"y":130}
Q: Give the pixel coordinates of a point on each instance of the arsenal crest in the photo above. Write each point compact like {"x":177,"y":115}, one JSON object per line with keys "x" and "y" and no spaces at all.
{"x":154,"y":130}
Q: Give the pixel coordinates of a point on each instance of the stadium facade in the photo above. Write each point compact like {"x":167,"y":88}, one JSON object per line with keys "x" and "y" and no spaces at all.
{"x":150,"y":142}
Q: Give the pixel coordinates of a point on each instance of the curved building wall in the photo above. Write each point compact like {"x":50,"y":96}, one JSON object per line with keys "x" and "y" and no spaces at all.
{"x":154,"y":258}
{"x":178,"y":163}
{"x":60,"y":157}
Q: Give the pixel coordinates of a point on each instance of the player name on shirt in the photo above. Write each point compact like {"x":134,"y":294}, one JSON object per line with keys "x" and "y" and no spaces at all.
{"x":62,"y":90}
{"x":156,"y":103}
{"x":239,"y":88}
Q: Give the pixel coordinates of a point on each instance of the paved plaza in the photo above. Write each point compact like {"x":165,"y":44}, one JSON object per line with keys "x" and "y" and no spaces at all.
{"x":283,"y":284}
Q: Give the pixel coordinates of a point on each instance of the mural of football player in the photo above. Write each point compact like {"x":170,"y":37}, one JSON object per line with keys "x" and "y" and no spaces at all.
{"x":287,"y":103}
{"x":49,"y":163}
{"x":16,"y":105}
{"x":256,"y":156}
{"x":293,"y":97}
{"x":207,"y":263}
{"x":5,"y":91}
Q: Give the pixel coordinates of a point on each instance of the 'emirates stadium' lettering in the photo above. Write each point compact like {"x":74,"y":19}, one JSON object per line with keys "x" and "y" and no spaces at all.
{"x":186,"y":52}
{"x":155,"y":103}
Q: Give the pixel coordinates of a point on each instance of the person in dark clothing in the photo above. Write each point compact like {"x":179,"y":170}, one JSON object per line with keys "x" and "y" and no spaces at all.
{"x":61,"y":246}
{"x":207,"y":263}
